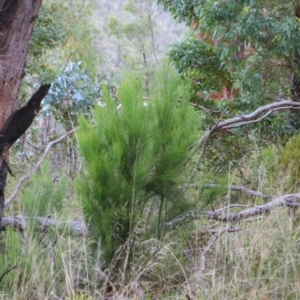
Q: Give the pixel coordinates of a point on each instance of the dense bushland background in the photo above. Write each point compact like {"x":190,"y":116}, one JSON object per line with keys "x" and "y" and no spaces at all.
{"x":142,"y":89}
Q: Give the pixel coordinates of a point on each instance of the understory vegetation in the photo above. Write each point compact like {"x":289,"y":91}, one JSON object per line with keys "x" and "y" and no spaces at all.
{"x":174,"y":174}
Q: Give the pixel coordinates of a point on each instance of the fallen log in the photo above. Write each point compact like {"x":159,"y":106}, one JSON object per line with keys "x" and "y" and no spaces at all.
{"x":80,"y":228}
{"x":289,"y":200}
{"x":21,"y":223}
{"x":223,"y":215}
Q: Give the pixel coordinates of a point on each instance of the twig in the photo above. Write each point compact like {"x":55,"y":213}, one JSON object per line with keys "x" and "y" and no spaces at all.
{"x":250,"y":122}
{"x":213,"y":239}
{"x":6,"y":272}
{"x":33,"y":146}
{"x":54,"y":296}
{"x":252,"y":219}
{"x":202,"y":152}
{"x":197,"y":276}
{"x":205,"y":109}
{"x":36,"y":166}
{"x":230,"y":206}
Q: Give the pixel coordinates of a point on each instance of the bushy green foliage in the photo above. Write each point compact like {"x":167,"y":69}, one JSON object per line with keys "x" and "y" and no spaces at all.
{"x":253,"y":46}
{"x":135,"y":156}
{"x":63,"y":32}
{"x":49,"y":31}
{"x":245,"y":53}
{"x":193,"y":54}
{"x":244,"y":37}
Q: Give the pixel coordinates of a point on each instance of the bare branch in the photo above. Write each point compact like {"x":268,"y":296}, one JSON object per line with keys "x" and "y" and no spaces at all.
{"x":21,"y":223}
{"x":36,"y":166}
{"x":202,"y":152}
{"x":213,"y":239}
{"x":198,"y":275}
{"x":80,"y":228}
{"x":248,"y":119}
{"x":290,"y":200}
{"x":249,"y":122}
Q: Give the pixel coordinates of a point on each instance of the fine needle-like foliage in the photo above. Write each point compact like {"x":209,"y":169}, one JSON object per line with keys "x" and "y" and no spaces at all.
{"x":135,"y":158}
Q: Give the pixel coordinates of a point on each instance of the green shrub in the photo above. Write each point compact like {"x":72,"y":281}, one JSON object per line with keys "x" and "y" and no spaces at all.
{"x":135,"y":158}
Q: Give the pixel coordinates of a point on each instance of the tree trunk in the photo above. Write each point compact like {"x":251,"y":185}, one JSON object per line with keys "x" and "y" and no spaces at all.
{"x":17,"y":18}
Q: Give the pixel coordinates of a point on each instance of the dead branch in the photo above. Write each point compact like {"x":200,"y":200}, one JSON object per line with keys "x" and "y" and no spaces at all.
{"x":290,"y":200}
{"x":256,"y":116}
{"x":36,"y":166}
{"x":193,"y":173}
{"x":20,"y":120}
{"x":21,"y":223}
{"x":80,"y":228}
{"x":198,"y":274}
{"x":213,"y":239}
{"x":13,"y":128}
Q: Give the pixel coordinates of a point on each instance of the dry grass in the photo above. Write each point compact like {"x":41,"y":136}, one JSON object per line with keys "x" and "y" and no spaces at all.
{"x":261,"y":261}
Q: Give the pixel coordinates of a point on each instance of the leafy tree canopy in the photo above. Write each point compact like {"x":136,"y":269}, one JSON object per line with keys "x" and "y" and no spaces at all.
{"x":248,"y":45}
{"x":245,"y":52}
{"x":73,"y":92}
{"x":63,"y":32}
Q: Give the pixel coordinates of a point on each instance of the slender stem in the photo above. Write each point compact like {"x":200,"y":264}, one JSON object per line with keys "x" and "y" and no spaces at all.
{"x":34,"y":169}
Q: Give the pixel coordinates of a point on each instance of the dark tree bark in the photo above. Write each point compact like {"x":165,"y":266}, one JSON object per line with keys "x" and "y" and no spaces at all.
{"x":20,"y":120}
{"x":17,"y":19}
